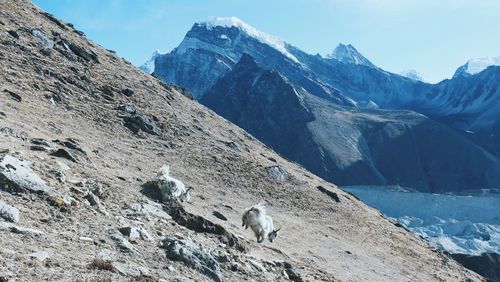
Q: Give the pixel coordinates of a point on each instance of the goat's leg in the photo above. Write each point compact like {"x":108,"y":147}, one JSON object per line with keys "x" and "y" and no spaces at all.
{"x":260,"y":237}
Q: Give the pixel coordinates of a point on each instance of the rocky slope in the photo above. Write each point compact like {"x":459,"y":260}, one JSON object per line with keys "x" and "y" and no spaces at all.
{"x":82,"y":131}
{"x":349,"y":146}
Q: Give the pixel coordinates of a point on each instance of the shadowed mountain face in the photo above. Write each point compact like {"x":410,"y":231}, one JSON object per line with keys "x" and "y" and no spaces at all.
{"x":486,"y":264}
{"x":349,"y":146}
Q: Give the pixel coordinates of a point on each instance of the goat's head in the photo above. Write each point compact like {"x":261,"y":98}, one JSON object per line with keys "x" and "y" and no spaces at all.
{"x":273,"y":234}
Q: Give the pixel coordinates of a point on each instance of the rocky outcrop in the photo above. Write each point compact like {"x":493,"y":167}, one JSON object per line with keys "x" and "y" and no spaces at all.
{"x":193,"y":256}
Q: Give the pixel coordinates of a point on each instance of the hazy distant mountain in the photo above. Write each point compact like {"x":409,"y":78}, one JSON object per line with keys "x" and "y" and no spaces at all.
{"x":411,"y":74}
{"x":149,"y":65}
{"x":474,"y":66}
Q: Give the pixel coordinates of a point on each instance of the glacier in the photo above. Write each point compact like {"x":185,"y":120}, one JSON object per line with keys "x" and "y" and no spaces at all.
{"x":466,"y":224}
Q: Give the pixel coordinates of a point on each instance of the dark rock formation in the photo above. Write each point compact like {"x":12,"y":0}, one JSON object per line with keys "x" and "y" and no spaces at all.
{"x":486,"y":264}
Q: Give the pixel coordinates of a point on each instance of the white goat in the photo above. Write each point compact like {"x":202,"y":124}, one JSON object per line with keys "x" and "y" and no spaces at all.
{"x":256,"y":218}
{"x":171,"y":187}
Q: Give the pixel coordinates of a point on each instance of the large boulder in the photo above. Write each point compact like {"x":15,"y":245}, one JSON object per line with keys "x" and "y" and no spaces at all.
{"x":16,"y":176}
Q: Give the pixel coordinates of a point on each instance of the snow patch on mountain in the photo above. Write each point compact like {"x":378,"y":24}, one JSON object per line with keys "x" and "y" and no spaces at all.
{"x":263,"y":37}
{"x":349,"y":54}
{"x":474,"y":66}
{"x":149,"y":65}
{"x":411,"y":74}
{"x":457,"y":224}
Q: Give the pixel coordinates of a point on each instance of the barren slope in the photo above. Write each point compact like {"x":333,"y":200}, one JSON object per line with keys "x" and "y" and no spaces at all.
{"x":73,"y":90}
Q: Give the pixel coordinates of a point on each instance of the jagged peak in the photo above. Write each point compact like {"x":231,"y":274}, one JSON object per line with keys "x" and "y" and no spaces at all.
{"x":349,"y":54}
{"x":228,"y":22}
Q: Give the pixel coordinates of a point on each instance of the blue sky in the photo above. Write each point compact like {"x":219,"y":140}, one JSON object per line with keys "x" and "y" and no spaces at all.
{"x":432,"y":36}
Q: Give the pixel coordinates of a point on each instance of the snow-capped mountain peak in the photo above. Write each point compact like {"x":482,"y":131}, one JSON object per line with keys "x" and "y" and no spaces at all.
{"x":349,"y":54}
{"x":149,"y":65}
{"x":477,"y":65}
{"x":251,"y":31}
{"x":411,"y":74}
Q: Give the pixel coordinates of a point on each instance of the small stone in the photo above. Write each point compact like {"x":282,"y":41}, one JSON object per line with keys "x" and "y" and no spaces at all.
{"x":13,"y":33}
{"x":128,"y":92}
{"x":293,"y":275}
{"x":278,"y":173}
{"x":219,"y":215}
{"x":63,"y":153}
{"x":9,"y":212}
{"x":257,"y":265}
{"x":86,"y":239}
{"x":26,"y":231}
{"x":131,"y":232}
{"x":40,"y":255}
{"x":122,"y":243}
{"x":126,"y":270}
{"x":47,"y":43}
{"x":93,"y":199}
{"x":77,"y":181}
{"x":63,"y":165}
{"x":234,"y":266}
{"x":106,"y":255}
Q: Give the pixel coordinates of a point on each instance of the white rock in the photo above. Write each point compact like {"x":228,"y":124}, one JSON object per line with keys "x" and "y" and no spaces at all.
{"x":9,"y":212}
{"x":106,"y":255}
{"x":86,"y":239}
{"x":20,"y":176}
{"x":25,"y":231}
{"x":40,"y":255}
{"x":63,"y":165}
{"x":126,"y":270}
{"x":257,"y":265}
{"x":122,"y":243}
